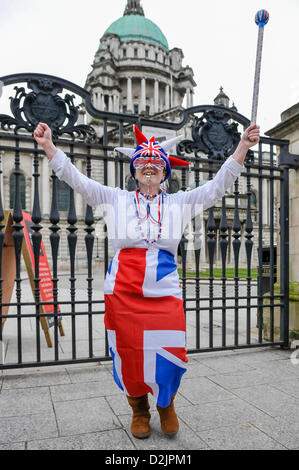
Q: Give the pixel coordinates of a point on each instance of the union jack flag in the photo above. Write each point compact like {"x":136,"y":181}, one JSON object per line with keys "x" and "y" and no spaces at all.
{"x":150,"y":149}
{"x":145,"y":323}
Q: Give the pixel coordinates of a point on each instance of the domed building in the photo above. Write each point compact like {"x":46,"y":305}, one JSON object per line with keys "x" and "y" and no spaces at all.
{"x":134,"y":71}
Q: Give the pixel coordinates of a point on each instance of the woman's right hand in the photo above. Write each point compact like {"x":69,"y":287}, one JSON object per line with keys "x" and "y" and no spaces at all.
{"x":43,"y":137}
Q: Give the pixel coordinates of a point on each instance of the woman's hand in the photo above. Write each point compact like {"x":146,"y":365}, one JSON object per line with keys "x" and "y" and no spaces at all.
{"x":43,"y":137}
{"x":251,"y":136}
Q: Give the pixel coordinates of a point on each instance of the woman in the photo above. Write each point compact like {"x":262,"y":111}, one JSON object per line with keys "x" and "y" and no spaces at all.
{"x":144,"y":314}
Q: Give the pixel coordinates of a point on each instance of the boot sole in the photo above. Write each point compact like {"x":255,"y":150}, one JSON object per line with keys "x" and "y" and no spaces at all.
{"x":141,"y":436}
{"x":170,"y":434}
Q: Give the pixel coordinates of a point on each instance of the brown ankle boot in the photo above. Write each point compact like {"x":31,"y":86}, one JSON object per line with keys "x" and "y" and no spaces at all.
{"x":141,"y":416}
{"x":168,"y":418}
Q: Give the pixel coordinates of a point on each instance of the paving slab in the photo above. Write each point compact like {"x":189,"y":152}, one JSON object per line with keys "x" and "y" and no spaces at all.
{"x":225,"y":365}
{"x":283,"y":429}
{"x":268,"y":399}
{"x":202,"y":390}
{"x":81,"y":390}
{"x":89,"y":373}
{"x":25,"y":401}
{"x":26,"y":428}
{"x":239,"y":379}
{"x":280,"y":369}
{"x":37,"y":378}
{"x":290,"y":387}
{"x":218,"y":414}
{"x":85,"y":416}
{"x":239,"y":437}
{"x":116,"y":439}
{"x":13,"y":446}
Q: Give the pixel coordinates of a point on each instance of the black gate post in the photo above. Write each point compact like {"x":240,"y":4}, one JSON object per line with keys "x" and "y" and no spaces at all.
{"x":284,"y":257}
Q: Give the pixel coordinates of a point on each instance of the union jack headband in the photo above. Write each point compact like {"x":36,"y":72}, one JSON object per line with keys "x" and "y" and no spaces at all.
{"x":152,"y":151}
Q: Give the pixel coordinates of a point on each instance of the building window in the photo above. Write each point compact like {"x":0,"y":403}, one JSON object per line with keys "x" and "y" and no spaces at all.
{"x":146,"y":53}
{"x":136,"y":109}
{"x":124,"y":109}
{"x":135,"y":52}
{"x":156,"y":57}
{"x":63,"y":195}
{"x":148,"y":109}
{"x":12,"y":190}
{"x":124,"y":52}
{"x":170,"y":62}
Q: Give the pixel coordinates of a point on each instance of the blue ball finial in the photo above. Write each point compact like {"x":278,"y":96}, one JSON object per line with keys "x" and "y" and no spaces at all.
{"x":262,"y":18}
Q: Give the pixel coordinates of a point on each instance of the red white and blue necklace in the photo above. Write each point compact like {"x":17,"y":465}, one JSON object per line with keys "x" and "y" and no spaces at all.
{"x":149,"y":216}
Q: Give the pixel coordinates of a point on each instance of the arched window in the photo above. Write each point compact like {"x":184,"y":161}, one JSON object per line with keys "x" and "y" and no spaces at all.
{"x":63,"y":195}
{"x":12,"y":190}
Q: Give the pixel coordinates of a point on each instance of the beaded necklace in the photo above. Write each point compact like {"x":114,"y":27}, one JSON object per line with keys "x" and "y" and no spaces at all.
{"x":150,"y":217}
{"x":148,"y":196}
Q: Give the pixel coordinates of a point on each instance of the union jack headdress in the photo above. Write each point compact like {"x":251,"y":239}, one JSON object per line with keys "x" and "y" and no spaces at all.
{"x":148,"y":149}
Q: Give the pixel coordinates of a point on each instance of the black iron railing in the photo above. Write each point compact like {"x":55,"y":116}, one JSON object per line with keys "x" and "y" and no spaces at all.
{"x":220,"y":313}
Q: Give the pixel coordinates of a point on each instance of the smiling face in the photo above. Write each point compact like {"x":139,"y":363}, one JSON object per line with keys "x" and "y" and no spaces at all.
{"x":149,"y":179}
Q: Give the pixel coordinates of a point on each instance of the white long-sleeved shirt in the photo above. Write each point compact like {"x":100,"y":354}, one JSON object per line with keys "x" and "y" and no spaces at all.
{"x":119,"y":206}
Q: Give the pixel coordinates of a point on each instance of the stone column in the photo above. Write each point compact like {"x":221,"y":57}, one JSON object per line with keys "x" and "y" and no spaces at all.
{"x":103,"y":103}
{"x":167,"y":97}
{"x":287,"y":129}
{"x":98,"y":100}
{"x":143,"y":96}
{"x":129,"y":95}
{"x":156,"y":97}
{"x":116,"y":103}
{"x":188,"y":98}
{"x":110,"y":108}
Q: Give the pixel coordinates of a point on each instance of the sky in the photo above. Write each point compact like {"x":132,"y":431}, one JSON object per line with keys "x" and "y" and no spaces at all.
{"x":218,"y":39}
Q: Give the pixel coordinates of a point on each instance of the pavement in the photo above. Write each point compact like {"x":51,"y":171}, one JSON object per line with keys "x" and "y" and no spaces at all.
{"x":233,"y":399}
{"x":241,"y":399}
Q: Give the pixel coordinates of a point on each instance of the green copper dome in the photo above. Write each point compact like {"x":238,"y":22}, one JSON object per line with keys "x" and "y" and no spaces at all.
{"x":138,"y":28}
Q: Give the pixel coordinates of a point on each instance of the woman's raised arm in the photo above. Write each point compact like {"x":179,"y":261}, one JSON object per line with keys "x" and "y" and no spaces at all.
{"x":93,"y":192}
{"x":205,"y":196}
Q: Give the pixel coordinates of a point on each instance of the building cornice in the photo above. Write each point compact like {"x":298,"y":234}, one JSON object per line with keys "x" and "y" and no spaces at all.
{"x":284,"y":128}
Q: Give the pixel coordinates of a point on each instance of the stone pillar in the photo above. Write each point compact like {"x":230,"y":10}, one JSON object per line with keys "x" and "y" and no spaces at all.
{"x":188,"y":98}
{"x":156,"y":97}
{"x":110,"y":108}
{"x":103,"y":103}
{"x":143,"y":96}
{"x":288,"y":129}
{"x":129,"y":95}
{"x":98,"y":100}
{"x":116,"y":104}
{"x":167,"y":97}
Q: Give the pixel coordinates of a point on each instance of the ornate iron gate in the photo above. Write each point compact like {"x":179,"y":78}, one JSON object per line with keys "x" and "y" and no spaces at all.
{"x":224,"y":312}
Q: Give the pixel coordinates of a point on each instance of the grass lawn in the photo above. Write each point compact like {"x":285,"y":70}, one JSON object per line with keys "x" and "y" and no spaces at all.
{"x":217,"y":273}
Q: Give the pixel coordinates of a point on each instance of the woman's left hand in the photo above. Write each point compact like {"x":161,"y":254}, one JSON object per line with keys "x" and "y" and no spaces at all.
{"x":251,"y":135}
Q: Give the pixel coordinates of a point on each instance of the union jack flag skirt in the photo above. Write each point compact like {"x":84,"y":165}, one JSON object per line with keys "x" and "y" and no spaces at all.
{"x":145,"y":323}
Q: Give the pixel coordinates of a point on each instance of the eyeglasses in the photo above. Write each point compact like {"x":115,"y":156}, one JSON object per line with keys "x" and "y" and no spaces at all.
{"x":156,"y":162}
